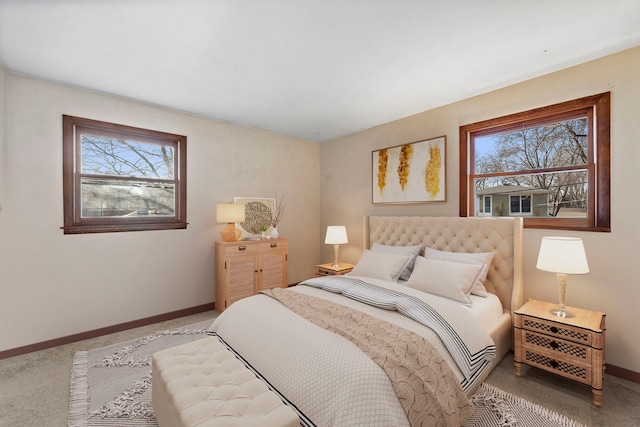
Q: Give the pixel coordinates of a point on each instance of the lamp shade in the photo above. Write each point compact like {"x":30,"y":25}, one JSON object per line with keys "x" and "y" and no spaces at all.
{"x":230,"y":212}
{"x":563,"y":255}
{"x":336,"y":235}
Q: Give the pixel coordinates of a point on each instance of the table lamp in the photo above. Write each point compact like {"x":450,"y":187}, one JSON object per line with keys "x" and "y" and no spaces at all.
{"x":230,"y":213}
{"x":562,"y":255}
{"x":336,"y":236}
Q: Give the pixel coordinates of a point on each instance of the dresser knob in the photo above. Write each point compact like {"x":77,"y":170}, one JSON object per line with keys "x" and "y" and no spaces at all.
{"x":554,"y":329}
{"x":554,"y":345}
{"x":554,"y":364}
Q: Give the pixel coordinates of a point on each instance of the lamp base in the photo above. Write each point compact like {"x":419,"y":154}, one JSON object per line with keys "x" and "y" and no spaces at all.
{"x":230,"y":233}
{"x":562,"y":290}
{"x":335,"y":264}
{"x":562,"y":313}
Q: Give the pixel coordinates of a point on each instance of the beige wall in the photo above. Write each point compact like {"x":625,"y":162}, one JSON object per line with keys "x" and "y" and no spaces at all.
{"x":3,"y":179}
{"x":613,"y":285}
{"x":53,"y":285}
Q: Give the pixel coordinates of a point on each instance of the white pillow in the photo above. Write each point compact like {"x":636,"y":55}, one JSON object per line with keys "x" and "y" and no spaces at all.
{"x":413,"y":251}
{"x":482,"y":258}
{"x":447,"y":279}
{"x":379,"y":265}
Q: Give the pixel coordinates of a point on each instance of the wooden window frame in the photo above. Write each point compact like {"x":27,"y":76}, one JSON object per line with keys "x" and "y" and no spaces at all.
{"x":598,"y":110}
{"x":74,"y":223}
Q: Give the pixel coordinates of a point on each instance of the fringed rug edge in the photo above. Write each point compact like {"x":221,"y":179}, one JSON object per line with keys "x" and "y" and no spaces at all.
{"x":78,"y":403}
{"x":533,"y":407}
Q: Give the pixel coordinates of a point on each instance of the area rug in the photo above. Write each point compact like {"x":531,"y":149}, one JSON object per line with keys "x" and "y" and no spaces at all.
{"x":111,"y":386}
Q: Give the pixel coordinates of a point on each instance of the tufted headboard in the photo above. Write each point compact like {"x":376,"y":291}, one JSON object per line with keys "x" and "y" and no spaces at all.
{"x":455,"y":234}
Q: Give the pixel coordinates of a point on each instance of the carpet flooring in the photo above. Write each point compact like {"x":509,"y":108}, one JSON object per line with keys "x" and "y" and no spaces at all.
{"x":34,"y":388}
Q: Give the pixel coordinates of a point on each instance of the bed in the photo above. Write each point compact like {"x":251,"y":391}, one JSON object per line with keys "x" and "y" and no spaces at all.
{"x":328,"y":347}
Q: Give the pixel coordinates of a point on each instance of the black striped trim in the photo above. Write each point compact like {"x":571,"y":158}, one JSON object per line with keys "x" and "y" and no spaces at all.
{"x":304,"y":420}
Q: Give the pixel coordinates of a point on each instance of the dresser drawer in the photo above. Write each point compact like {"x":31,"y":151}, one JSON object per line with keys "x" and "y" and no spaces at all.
{"x":248,"y":250}
{"x":556,"y":330}
{"x":272,"y":245}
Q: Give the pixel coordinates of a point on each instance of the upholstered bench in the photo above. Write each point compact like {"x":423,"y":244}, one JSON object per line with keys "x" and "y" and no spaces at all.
{"x":203,"y":384}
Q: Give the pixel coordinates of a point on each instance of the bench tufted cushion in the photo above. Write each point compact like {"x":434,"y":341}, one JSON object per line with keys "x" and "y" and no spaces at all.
{"x":203,"y":384}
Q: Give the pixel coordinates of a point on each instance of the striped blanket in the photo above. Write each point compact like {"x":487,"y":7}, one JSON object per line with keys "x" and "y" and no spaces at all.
{"x":471,"y":348}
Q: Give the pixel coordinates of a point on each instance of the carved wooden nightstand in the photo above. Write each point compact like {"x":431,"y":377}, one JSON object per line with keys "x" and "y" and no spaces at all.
{"x":330,"y":270}
{"x":570,"y":347}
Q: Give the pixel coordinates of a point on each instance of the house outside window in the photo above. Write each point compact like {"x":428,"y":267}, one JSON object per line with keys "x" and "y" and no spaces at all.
{"x":120,"y":178}
{"x":512,"y":200}
{"x":550,"y":165}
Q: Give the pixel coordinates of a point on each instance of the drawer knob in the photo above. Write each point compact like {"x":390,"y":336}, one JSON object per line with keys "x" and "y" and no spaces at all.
{"x":554,"y":329}
{"x":554,"y":364}
{"x":554,"y":345}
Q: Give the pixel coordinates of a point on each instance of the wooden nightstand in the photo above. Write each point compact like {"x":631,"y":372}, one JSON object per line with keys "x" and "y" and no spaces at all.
{"x":570,"y":347}
{"x":330,"y":270}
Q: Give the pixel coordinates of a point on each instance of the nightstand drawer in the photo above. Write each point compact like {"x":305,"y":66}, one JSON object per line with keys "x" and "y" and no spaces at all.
{"x":577,"y":372}
{"x":558,"y":330}
{"x":551,"y":346}
{"x":330,"y":270}
{"x":324,"y":272}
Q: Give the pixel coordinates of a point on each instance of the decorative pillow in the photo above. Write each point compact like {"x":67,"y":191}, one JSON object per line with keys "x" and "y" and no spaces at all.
{"x":413,"y":251}
{"x":379,"y":265}
{"x":447,"y":279}
{"x":482,"y":258}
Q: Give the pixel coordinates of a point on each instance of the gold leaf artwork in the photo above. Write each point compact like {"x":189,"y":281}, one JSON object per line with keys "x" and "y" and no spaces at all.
{"x":409,"y":173}
{"x":403,"y":167}
{"x":383,"y":158}
{"x":432,"y":172}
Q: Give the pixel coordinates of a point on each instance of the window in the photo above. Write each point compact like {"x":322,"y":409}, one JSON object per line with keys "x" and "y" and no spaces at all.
{"x":520,"y":205}
{"x":550,"y":165}
{"x":485,"y":206}
{"x":120,"y":178}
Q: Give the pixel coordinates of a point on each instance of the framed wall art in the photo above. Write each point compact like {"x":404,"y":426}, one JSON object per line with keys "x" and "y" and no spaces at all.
{"x":410,"y":173}
{"x":258,"y":212}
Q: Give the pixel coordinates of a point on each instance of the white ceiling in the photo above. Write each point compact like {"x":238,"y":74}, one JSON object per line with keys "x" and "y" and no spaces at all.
{"x":313,"y":69}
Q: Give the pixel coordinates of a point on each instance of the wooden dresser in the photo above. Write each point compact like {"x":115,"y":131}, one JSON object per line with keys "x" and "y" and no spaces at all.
{"x":570,"y":347}
{"x":245,"y":267}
